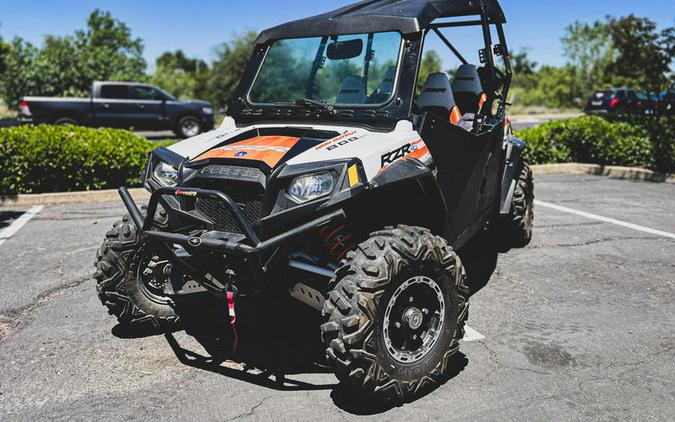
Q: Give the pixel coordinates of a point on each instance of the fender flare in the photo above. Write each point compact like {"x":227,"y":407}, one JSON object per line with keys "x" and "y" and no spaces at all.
{"x":415,"y":175}
{"x":513,"y":158}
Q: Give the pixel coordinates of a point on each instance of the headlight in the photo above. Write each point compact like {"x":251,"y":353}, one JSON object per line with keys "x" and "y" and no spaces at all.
{"x":166,"y":174}
{"x":313,"y":186}
{"x":207,"y":110}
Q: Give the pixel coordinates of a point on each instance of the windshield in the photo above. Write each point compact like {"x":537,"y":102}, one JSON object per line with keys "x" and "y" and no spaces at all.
{"x":343,"y":70}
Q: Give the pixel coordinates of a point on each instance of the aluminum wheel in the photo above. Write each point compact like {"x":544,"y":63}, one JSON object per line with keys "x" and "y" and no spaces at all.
{"x":413,"y":319}
{"x":190,"y":127}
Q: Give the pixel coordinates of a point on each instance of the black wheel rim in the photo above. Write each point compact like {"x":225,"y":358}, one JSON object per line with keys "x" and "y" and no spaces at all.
{"x":413,"y":320}
{"x":151,"y":277}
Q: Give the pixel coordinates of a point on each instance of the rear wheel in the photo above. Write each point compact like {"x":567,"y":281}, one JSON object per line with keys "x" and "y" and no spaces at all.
{"x":188,"y":127}
{"x":65,"y":121}
{"x":396,"y":313}
{"x":130,"y":280}
{"x":515,"y":230}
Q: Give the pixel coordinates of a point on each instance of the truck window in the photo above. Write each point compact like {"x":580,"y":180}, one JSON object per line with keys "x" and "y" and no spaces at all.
{"x":117,"y":92}
{"x":145,"y":93}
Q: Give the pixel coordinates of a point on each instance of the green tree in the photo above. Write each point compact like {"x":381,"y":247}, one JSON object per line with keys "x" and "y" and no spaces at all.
{"x":178,"y":60}
{"x":228,"y":67}
{"x":431,"y":63}
{"x":590,"y":50}
{"x":68,"y":65}
{"x":182,"y":76}
{"x":643,"y":54}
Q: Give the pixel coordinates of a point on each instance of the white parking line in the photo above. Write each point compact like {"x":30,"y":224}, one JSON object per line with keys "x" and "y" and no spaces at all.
{"x":605,"y":219}
{"x":471,"y":335}
{"x":20,"y":222}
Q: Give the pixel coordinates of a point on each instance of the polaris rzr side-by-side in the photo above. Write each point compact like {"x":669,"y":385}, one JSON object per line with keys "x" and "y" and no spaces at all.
{"x":339,"y":182}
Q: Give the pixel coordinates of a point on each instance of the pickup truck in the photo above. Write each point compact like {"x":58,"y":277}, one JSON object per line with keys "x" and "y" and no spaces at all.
{"x":126,"y":105}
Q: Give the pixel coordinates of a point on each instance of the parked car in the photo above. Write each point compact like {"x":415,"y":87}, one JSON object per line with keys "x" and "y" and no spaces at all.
{"x":123,"y":105}
{"x":667,"y":102}
{"x":620,"y":100}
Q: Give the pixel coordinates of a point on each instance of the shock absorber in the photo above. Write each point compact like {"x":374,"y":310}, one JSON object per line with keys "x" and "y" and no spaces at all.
{"x":338,"y":240}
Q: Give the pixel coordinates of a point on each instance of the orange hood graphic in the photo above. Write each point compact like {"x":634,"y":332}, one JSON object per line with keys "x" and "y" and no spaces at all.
{"x":268,"y":149}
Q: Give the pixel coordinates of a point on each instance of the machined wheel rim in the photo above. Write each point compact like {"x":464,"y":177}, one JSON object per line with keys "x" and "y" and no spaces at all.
{"x":190,"y":127}
{"x":413,"y":319}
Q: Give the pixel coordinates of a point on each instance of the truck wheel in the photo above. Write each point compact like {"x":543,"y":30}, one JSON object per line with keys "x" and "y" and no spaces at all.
{"x":515,"y":230}
{"x":188,"y":127}
{"x":396,"y":313}
{"x":65,"y":121}
{"x":129,"y":280}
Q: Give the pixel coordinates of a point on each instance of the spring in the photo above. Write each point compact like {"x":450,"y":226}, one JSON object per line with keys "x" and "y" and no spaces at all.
{"x":338,"y":241}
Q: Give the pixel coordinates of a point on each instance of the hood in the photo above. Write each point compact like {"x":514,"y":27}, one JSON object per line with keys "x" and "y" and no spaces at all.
{"x":273,"y":146}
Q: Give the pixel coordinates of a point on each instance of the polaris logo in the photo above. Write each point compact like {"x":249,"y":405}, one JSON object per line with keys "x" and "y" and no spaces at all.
{"x":396,"y":154}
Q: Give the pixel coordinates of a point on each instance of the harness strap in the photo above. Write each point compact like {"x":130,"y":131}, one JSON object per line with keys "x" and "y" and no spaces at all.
{"x":233,"y":320}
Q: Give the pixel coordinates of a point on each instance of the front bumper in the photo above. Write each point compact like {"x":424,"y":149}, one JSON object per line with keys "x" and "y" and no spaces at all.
{"x":250,"y":246}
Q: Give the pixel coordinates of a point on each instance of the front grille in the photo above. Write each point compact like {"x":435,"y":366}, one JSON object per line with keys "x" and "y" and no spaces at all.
{"x":251,"y":207}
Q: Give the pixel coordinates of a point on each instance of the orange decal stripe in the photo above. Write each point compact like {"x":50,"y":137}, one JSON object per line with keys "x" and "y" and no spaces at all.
{"x":268,"y":149}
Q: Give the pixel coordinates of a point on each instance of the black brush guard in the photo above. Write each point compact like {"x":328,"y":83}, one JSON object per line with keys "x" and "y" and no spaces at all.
{"x":251,"y":247}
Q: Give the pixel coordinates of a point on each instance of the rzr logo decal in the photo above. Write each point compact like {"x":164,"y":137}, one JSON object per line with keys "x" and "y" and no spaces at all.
{"x":396,"y":154}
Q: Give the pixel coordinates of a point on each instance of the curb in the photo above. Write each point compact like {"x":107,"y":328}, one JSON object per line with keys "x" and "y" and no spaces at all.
{"x":142,"y":195}
{"x":139,"y":194}
{"x":614,"y":172}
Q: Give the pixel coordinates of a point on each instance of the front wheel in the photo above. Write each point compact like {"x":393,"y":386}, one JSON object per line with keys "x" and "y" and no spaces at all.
{"x":188,"y":127}
{"x":396,"y":313}
{"x":130,"y":280}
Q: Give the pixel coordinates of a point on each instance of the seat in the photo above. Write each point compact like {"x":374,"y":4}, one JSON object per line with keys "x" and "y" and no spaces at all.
{"x":352,"y":91}
{"x":468,"y":89}
{"x":436,"y":97}
{"x":384,"y":89}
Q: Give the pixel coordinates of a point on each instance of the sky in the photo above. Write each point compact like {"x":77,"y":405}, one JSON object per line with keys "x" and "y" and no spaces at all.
{"x":197,"y":26}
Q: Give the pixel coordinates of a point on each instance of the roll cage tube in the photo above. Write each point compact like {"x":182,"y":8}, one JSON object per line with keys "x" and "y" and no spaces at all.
{"x":499,"y":49}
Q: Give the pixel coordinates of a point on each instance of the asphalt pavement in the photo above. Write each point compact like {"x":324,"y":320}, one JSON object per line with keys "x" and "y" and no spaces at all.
{"x":580,"y":325}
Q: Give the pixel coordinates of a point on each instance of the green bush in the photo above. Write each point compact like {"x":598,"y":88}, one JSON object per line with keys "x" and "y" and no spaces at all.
{"x":638,"y":141}
{"x":39,"y":159}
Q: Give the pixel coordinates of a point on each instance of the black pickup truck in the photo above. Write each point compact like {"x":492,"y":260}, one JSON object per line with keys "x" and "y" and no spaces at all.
{"x":125,"y":105}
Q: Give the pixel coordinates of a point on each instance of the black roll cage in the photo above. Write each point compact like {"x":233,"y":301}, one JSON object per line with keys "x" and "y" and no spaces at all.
{"x":500,"y":49}
{"x":414,"y":27}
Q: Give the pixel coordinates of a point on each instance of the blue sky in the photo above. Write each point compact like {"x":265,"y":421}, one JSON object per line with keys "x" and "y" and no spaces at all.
{"x":197,"y":26}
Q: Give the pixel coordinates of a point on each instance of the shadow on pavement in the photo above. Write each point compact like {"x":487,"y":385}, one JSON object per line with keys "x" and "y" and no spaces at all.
{"x":7,"y":217}
{"x":280,"y":337}
{"x":479,"y":257}
{"x":358,"y":404}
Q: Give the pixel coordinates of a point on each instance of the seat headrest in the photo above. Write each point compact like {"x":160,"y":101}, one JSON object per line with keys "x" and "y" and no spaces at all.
{"x":467,"y":79}
{"x":436,"y":92}
{"x":387,"y":84}
{"x":352,"y":91}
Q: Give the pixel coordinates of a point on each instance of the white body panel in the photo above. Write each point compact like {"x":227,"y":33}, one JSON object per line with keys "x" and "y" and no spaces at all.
{"x":376,"y":150}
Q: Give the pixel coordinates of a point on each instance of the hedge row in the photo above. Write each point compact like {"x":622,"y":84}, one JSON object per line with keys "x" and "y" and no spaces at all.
{"x":39,"y":159}
{"x":632,"y":141}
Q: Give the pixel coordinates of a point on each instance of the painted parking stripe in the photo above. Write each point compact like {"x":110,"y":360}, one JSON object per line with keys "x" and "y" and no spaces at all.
{"x":20,"y":222}
{"x":605,"y":219}
{"x":471,"y":335}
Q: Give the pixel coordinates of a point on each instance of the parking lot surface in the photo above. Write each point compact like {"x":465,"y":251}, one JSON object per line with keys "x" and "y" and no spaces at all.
{"x":580,"y":325}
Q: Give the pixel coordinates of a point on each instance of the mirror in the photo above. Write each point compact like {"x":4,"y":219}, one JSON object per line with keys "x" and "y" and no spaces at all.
{"x":344,"y":50}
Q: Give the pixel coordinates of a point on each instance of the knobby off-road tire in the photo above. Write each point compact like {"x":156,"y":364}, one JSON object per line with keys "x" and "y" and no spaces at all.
{"x":515,"y":230}
{"x":121,"y":260}
{"x":366,"y":282}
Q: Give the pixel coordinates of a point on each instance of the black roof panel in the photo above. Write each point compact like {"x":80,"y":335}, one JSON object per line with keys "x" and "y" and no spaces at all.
{"x":405,"y":16}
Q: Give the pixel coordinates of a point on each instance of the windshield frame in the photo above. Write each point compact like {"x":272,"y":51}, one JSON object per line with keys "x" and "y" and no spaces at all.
{"x":392,"y":96}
